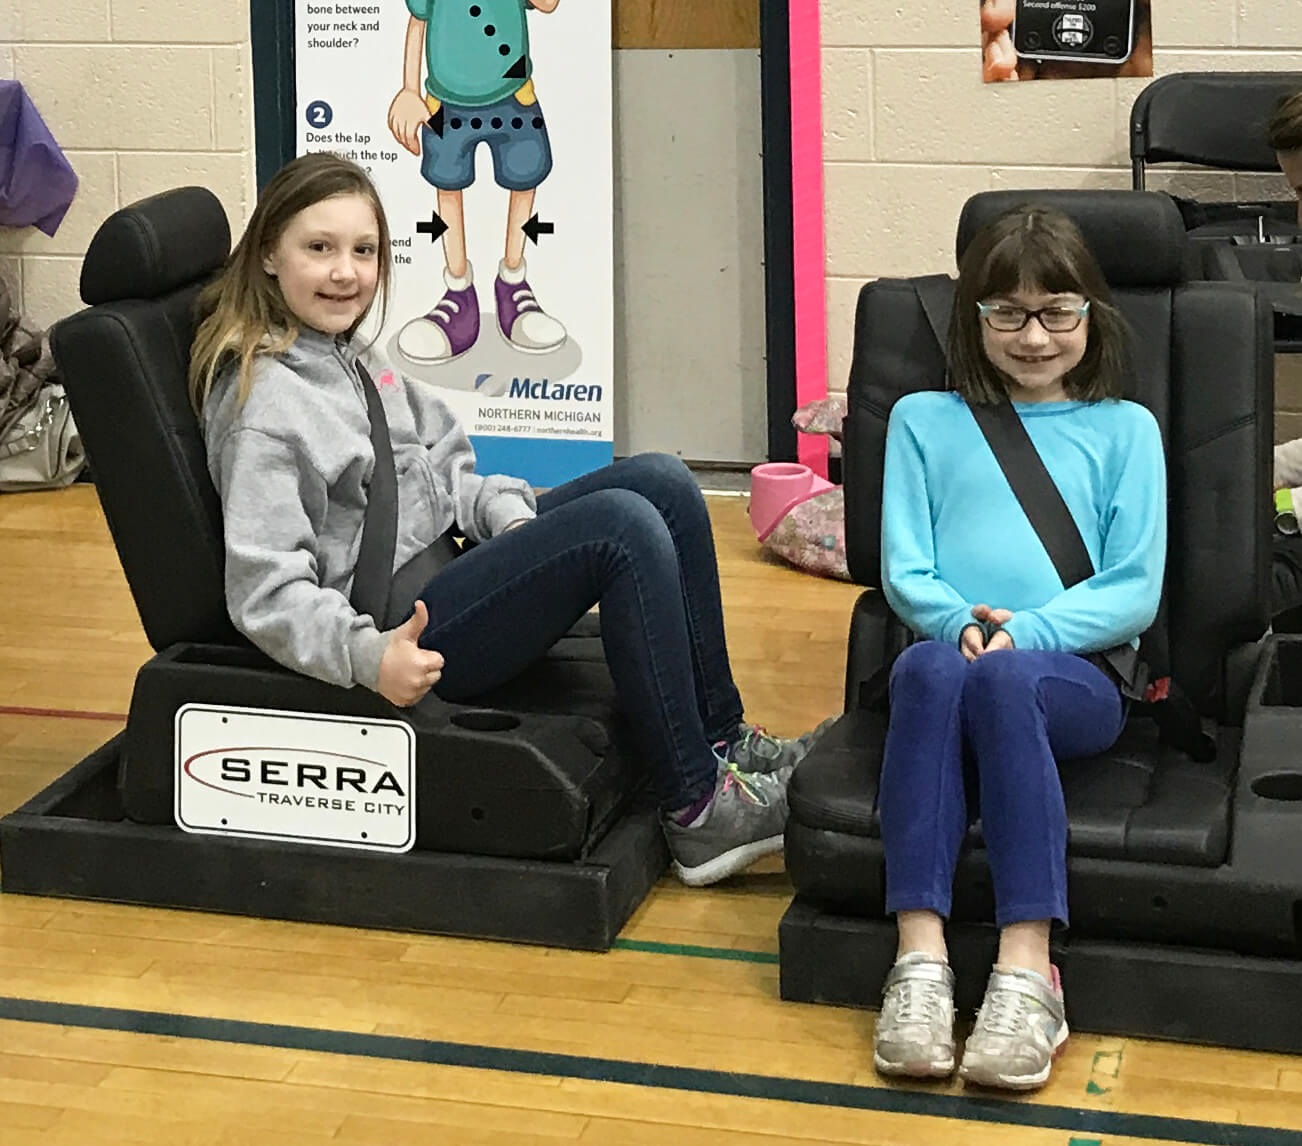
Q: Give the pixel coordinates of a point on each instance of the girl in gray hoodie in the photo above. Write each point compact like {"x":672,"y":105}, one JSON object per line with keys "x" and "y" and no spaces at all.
{"x":289,"y":407}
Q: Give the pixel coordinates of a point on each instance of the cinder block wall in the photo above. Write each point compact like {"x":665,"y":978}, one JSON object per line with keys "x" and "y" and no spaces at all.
{"x":910,"y":131}
{"x":146,"y":94}
{"x":142,"y":95}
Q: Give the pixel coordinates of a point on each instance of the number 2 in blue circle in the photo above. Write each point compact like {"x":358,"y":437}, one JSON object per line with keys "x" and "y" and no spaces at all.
{"x":319,"y":113}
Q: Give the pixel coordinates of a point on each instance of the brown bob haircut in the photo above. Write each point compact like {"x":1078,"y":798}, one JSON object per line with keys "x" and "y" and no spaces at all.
{"x":1285,"y":128}
{"x":1033,"y":247}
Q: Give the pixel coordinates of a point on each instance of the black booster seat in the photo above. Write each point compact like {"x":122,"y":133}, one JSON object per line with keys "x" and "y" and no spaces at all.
{"x":519,"y":817}
{"x":1185,"y":876}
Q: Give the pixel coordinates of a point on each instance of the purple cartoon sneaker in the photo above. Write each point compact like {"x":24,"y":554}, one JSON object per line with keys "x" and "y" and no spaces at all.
{"x":521,"y":321}
{"x":447,"y":331}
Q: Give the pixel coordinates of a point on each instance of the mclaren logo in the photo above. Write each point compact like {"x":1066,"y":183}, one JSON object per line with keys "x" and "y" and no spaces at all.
{"x":554,"y":391}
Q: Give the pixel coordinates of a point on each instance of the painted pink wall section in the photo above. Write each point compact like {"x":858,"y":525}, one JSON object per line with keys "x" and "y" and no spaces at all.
{"x":807,"y":221}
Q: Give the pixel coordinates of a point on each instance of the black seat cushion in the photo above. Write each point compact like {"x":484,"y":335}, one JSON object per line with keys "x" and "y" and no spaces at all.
{"x":1138,"y":801}
{"x":124,"y":363}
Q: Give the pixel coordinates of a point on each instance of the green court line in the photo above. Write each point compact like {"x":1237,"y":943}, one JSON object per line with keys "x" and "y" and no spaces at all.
{"x":695,"y":952}
{"x":887,"y":1100}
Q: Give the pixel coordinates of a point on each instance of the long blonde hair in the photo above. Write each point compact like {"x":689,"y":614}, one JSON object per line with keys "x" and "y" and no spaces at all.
{"x":242,"y":312}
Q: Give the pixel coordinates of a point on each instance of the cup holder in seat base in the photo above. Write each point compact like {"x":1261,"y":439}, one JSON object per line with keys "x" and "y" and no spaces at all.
{"x":485,"y":720}
{"x":1285,"y":786}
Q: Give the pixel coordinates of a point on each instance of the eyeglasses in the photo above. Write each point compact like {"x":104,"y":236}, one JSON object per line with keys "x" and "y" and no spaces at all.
{"x":1055,"y":319}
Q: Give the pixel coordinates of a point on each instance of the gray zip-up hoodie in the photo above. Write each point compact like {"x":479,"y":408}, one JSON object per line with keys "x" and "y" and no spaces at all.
{"x":292,"y":467}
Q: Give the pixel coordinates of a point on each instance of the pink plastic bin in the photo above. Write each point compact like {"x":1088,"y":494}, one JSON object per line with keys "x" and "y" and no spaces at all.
{"x":775,"y":487}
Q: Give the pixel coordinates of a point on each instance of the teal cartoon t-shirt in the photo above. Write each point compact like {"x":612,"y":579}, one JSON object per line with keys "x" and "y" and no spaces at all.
{"x":476,"y":51}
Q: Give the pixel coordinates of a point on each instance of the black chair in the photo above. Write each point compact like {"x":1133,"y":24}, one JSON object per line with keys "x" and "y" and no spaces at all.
{"x":1211,"y":119}
{"x":1220,"y":119}
{"x":529,"y":817}
{"x":1185,"y":878}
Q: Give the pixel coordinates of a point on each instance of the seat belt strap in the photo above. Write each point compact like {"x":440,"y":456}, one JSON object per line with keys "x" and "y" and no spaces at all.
{"x":1035,"y":490}
{"x":373,"y":573}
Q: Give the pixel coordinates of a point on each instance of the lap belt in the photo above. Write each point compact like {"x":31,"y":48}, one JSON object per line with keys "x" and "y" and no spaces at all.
{"x":1033,"y":487}
{"x":385,"y":596}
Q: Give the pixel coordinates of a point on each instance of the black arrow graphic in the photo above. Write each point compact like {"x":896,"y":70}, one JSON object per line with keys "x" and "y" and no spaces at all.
{"x":435,"y":122}
{"x":434,"y":228}
{"x":533,"y":228}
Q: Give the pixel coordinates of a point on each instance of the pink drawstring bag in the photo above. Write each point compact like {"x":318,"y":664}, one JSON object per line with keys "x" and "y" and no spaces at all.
{"x":795,"y":513}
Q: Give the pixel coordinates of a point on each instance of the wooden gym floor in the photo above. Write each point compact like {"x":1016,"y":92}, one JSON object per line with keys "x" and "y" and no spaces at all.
{"x":133,"y":1025}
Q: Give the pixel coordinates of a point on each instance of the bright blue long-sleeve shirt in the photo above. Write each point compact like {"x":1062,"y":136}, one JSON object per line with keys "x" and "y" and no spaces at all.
{"x":953,"y":534}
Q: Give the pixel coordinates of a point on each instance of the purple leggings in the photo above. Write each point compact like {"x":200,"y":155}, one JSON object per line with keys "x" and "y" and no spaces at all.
{"x":985,"y":738}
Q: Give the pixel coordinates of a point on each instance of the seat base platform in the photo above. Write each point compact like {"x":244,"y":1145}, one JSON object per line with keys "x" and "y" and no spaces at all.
{"x":1148,"y":990}
{"x":72,"y":840}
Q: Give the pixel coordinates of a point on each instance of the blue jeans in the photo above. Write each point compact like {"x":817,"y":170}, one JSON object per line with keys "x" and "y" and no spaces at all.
{"x":987,"y":736}
{"x":635,"y":538}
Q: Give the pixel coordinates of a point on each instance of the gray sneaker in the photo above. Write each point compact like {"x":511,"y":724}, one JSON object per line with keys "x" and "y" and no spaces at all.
{"x":1019,"y":1031}
{"x":915,"y":1030}
{"x":757,"y":751}
{"x":745,"y":821}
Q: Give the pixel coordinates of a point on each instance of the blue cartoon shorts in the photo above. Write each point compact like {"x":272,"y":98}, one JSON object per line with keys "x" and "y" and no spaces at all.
{"x":516,"y":135}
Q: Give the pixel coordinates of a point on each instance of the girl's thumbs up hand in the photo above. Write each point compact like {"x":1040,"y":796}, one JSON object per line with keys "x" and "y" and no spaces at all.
{"x":407,"y":671}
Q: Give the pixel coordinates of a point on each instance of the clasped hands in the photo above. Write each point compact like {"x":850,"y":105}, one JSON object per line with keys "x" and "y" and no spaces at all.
{"x":985,"y":634}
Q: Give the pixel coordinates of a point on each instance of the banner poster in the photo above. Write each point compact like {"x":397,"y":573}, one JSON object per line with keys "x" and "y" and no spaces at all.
{"x":487,"y":127}
{"x":1065,"y":39}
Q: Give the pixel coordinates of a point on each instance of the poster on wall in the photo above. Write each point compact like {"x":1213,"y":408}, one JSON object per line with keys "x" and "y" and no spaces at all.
{"x":1065,"y":39}
{"x":487,"y":127}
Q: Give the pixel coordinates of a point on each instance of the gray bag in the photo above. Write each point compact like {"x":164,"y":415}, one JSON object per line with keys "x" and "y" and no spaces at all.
{"x":42,"y":449}
{"x":39,"y":444}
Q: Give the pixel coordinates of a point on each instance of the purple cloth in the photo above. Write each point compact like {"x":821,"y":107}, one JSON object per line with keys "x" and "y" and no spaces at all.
{"x":37,"y":183}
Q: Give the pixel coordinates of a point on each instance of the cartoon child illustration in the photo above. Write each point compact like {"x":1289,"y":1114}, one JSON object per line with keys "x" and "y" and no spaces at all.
{"x":478,"y":89}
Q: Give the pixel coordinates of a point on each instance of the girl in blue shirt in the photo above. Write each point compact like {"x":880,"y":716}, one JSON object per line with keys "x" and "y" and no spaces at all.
{"x":997,"y":692}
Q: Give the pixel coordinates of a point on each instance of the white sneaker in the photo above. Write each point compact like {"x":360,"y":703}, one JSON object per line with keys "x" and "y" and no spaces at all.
{"x":915,"y":1030}
{"x":1020,"y":1029}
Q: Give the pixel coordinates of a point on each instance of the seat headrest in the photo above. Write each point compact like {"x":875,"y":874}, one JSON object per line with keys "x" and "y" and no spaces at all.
{"x":152,"y":247}
{"x":1138,"y":237}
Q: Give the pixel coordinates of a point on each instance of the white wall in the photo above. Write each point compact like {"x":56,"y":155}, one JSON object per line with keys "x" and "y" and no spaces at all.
{"x":910,"y":131}
{"x":142,"y":95}
{"x":147,"y":94}
{"x":689,"y":255}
